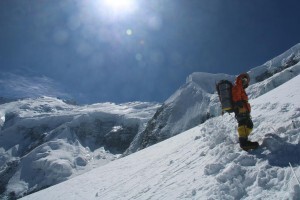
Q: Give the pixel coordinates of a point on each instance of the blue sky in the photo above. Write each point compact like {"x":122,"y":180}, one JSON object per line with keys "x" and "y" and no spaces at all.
{"x":141,"y":50}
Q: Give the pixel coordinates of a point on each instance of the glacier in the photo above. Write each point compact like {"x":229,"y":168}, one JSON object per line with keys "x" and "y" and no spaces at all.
{"x":44,"y":141}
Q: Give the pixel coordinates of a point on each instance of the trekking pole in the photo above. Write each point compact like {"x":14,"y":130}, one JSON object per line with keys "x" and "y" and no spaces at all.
{"x":294,"y":174}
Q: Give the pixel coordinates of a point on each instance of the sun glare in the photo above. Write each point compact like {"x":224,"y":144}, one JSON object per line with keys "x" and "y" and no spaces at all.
{"x":121,"y":6}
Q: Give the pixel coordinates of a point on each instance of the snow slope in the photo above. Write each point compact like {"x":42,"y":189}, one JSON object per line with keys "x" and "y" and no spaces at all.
{"x":206,"y":162}
{"x":45,"y":141}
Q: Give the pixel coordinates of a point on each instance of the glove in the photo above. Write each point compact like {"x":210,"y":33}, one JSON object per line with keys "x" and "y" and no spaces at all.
{"x":239,"y":104}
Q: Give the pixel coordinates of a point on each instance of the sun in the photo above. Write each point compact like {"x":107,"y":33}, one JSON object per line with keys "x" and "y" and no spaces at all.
{"x":121,"y":7}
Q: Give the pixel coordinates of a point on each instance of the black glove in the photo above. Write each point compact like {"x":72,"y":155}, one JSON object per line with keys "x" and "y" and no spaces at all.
{"x":239,"y":104}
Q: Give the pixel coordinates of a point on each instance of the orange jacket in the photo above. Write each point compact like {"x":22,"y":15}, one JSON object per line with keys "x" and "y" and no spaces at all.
{"x":239,"y":94}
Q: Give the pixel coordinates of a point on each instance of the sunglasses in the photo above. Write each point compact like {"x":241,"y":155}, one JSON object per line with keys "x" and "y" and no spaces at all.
{"x":245,"y":80}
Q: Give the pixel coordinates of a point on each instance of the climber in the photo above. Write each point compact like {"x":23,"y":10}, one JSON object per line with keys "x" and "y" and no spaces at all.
{"x":242,"y":110}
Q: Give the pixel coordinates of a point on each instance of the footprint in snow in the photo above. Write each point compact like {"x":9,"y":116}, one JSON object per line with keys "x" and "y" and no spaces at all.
{"x":278,"y":151}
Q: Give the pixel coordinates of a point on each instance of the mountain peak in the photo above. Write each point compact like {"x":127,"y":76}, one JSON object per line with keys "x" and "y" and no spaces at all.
{"x":207,"y":81}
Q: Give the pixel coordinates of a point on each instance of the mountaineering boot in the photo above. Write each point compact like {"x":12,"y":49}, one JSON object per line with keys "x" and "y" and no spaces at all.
{"x":246,"y":144}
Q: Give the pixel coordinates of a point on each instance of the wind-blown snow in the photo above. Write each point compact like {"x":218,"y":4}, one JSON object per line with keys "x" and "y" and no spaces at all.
{"x":20,"y":85}
{"x":206,"y":162}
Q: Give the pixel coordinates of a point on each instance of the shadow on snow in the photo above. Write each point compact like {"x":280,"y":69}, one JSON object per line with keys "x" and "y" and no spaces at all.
{"x":278,"y":151}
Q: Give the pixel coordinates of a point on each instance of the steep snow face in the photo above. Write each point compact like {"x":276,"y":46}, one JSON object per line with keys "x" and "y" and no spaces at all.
{"x":189,"y":106}
{"x":206,"y":81}
{"x":197,"y":101}
{"x":45,"y":141}
{"x":206,"y":162}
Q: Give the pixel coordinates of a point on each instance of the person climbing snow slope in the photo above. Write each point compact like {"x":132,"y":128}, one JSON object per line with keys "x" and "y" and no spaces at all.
{"x":242,"y":110}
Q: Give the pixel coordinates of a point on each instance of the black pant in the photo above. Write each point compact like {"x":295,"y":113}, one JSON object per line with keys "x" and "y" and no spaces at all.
{"x":244,"y":119}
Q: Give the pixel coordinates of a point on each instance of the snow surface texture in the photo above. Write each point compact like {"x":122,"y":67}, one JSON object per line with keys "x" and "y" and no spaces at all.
{"x":45,"y":141}
{"x":206,"y":161}
{"x":197,"y":101}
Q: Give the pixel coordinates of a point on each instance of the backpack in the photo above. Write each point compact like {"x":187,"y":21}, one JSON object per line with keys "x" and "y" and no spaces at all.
{"x":224,"y":89}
